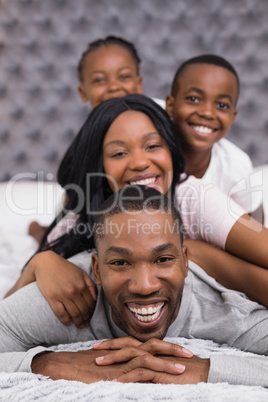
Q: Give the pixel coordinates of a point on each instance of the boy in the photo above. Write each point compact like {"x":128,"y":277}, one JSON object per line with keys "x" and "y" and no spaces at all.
{"x":202,"y":103}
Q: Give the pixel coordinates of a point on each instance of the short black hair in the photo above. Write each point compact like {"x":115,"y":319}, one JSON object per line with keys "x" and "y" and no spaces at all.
{"x":109,"y":40}
{"x":136,"y":198}
{"x":204,"y":59}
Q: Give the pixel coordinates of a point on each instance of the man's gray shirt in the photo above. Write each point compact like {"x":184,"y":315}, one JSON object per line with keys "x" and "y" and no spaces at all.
{"x":208,"y":311}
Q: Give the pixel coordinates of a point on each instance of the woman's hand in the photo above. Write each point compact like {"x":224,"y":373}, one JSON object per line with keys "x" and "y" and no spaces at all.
{"x":68,"y":289}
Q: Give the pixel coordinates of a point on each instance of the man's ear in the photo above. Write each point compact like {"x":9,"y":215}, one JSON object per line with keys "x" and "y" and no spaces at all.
{"x":170,"y":105}
{"x":186,"y":260}
{"x":95,"y":268}
{"x":82,"y":93}
{"x":139,"y":85}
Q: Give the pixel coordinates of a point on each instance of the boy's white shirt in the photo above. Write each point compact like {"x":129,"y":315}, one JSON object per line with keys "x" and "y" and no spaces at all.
{"x":231,"y":170}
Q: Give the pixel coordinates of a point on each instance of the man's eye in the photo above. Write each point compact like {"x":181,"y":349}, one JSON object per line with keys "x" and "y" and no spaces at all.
{"x":164,"y":259}
{"x":119,"y":262}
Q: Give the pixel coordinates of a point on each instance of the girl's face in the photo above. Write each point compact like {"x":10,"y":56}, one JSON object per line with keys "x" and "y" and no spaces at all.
{"x":135,"y":153}
{"x":109,"y":72}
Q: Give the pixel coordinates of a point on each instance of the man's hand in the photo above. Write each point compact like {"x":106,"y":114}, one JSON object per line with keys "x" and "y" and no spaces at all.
{"x":153,"y":361}
{"x":74,"y":366}
{"x":81,"y":366}
{"x":196,"y":370}
{"x":129,"y":347}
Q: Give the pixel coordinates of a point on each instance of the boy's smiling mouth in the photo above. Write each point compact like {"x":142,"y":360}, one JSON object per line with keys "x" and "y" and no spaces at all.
{"x":202,"y":130}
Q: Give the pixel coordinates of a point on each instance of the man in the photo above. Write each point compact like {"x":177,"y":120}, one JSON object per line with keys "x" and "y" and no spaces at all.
{"x":140,"y":267}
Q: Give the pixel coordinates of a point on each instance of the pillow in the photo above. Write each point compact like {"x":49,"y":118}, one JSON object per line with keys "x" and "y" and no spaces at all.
{"x":22,"y":202}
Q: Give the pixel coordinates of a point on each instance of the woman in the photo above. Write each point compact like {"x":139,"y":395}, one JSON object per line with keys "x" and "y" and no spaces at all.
{"x":130,"y":141}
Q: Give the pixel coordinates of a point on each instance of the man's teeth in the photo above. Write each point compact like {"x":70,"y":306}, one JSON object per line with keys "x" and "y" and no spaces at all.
{"x":144,"y":182}
{"x":145,"y":314}
{"x":202,"y":129}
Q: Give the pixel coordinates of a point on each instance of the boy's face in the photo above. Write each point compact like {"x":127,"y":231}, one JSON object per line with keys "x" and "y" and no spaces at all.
{"x":109,"y":72}
{"x":204,"y":105}
{"x":141,"y":266}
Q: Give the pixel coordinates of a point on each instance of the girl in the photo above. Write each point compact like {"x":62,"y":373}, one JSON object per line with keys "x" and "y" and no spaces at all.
{"x":130,"y":141}
{"x":108,"y":68}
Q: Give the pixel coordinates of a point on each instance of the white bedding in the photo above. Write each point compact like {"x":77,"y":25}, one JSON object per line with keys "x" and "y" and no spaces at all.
{"x":30,"y":387}
{"x":15,"y":250}
{"x":22,"y":202}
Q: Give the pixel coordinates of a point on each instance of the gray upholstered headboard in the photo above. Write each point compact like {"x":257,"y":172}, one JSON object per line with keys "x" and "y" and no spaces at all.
{"x":41,"y":42}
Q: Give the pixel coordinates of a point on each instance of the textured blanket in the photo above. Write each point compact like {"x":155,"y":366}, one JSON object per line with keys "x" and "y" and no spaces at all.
{"x":29,"y":387}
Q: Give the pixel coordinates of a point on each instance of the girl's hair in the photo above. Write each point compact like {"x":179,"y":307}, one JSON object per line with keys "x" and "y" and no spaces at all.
{"x":85,"y":182}
{"x":109,"y":40}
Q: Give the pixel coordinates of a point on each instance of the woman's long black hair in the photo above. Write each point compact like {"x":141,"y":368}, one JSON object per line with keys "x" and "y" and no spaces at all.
{"x":81,"y":171}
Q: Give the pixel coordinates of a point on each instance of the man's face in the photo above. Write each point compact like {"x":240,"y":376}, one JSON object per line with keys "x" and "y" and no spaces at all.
{"x":141,"y":266}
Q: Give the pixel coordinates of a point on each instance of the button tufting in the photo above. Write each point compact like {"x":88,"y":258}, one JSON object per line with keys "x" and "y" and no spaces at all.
{"x":52,"y":157}
{"x":16,"y":112}
{"x":42,"y":41}
{"x":20,"y":157}
{"x":34,"y":135}
{"x":4,"y":135}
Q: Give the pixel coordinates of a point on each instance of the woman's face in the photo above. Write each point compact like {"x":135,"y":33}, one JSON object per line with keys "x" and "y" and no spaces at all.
{"x":135,"y":153}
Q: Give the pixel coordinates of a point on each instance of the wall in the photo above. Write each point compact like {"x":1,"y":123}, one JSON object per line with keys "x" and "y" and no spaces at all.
{"x":41,"y":42}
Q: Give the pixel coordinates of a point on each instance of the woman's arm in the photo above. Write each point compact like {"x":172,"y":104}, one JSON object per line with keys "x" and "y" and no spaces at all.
{"x":230,"y":271}
{"x":68,"y":289}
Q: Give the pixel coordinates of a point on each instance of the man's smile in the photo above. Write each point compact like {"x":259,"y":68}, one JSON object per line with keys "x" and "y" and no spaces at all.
{"x":146,"y":315}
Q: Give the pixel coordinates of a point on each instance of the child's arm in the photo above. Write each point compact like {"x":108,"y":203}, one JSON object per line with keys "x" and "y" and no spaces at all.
{"x":248,"y":239}
{"x":67,"y":288}
{"x":37,"y":231}
{"x":230,"y":271}
{"x":258,"y":214}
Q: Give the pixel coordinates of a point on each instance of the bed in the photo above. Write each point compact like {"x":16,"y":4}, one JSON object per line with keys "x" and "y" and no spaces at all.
{"x":23,"y":202}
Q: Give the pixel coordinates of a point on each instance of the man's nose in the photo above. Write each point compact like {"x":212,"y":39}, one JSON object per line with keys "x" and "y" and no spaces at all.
{"x":144,"y":280}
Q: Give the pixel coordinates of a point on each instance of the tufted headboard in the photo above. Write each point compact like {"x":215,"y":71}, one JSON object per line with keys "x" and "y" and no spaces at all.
{"x":41,"y":42}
